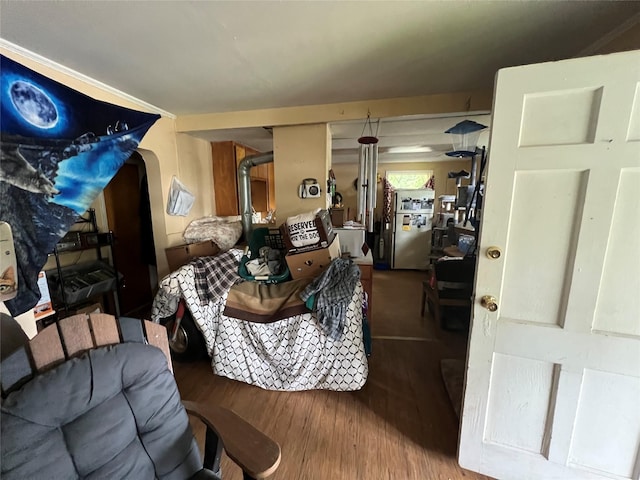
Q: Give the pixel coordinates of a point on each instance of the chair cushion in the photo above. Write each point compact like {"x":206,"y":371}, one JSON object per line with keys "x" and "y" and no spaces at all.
{"x":114,"y":412}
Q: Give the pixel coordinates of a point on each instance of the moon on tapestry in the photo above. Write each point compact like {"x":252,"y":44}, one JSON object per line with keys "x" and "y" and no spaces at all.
{"x":33,"y":104}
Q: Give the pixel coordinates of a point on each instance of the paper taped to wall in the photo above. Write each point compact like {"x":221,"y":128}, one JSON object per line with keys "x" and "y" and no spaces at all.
{"x":180,"y":199}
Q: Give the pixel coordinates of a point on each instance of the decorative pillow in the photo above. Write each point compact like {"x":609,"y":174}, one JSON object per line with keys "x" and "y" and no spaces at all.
{"x":302,"y":229}
{"x":224,"y":231}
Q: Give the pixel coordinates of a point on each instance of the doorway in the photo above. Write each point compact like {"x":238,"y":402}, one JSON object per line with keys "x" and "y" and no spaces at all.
{"x":129,"y":217}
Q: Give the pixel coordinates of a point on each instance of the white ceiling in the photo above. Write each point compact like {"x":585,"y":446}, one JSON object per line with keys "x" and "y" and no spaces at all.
{"x":190,"y":57}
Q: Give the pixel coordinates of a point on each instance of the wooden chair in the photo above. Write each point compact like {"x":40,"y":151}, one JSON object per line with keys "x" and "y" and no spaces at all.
{"x":449,"y":284}
{"x":56,"y":357}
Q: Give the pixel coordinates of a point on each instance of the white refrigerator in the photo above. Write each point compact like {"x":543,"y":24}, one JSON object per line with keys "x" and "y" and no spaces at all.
{"x":411,"y":229}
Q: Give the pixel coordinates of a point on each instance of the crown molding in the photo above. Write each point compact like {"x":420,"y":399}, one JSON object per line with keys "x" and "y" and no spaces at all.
{"x":12,"y":47}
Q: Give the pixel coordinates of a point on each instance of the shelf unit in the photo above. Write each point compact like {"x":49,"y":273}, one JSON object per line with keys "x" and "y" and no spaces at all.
{"x":76,"y":284}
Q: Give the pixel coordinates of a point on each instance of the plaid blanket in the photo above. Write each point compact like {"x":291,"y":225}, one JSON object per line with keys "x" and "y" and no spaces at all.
{"x":215,"y":275}
{"x":333,"y":289}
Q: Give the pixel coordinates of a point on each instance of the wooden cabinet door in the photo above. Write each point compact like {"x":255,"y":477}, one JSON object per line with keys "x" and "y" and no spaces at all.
{"x":225,"y":178}
{"x":271,"y":185}
{"x":263,"y":171}
{"x":240,"y":153}
{"x":226,"y":157}
{"x":259,"y":172}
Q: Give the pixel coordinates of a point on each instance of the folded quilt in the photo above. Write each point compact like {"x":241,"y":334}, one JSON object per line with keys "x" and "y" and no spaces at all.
{"x":256,"y":302}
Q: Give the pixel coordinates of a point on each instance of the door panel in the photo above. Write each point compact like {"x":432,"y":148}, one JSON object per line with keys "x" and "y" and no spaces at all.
{"x":553,"y":376}
{"x":122,"y":199}
{"x":541,"y":263}
{"x":528,"y":405}
{"x":624,"y":239}
{"x":613,"y":417}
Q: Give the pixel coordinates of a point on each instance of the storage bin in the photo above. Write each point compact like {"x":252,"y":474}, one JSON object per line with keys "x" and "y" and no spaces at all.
{"x":82,"y":281}
{"x":261,"y":237}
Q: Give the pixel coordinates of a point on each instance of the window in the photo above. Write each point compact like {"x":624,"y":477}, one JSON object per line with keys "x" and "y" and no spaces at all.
{"x":408,"y":179}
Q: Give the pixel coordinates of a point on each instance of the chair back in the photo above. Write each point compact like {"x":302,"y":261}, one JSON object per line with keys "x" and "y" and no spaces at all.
{"x":91,"y":397}
{"x":72,"y":336}
{"x":457,"y":270}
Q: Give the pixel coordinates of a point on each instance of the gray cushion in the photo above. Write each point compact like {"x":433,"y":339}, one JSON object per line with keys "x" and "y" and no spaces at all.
{"x":113,"y":413}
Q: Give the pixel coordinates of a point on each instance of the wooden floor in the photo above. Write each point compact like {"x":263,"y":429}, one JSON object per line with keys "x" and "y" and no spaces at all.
{"x":399,"y":426}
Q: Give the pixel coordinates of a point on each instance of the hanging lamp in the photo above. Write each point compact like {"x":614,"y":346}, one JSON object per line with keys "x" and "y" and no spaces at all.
{"x":465,"y":138}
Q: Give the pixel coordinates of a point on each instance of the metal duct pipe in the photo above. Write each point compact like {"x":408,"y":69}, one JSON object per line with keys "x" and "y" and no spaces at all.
{"x":244,"y":188}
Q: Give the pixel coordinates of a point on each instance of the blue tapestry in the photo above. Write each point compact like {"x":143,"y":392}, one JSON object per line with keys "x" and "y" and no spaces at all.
{"x":59,"y":149}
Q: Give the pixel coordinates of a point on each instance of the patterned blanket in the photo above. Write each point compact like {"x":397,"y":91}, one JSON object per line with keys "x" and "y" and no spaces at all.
{"x":290,"y":354}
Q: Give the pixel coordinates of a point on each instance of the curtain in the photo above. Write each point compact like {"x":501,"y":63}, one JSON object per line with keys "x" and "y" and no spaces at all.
{"x":387,"y":203}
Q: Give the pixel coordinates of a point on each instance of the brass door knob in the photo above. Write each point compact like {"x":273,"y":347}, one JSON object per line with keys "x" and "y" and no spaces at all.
{"x":494,"y":252}
{"x":489,"y":302}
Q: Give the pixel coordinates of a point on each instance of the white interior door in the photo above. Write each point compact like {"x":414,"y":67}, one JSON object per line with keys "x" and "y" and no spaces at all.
{"x":553,"y":375}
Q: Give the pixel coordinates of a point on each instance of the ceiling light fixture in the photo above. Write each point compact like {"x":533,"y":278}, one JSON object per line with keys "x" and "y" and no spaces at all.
{"x":409,"y":149}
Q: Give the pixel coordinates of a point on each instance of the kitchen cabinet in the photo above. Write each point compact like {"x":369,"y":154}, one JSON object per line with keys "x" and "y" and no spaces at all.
{"x":226,"y":157}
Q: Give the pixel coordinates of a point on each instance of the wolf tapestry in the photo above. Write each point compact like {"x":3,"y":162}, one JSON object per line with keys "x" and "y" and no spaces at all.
{"x":59,"y":149}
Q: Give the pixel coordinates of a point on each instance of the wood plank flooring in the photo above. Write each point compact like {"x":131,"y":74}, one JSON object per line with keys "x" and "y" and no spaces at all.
{"x":399,"y":426}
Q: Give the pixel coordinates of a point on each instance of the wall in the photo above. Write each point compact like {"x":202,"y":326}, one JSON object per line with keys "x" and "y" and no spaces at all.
{"x":300,"y":152}
{"x":196,"y":173}
{"x":346,"y":173}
